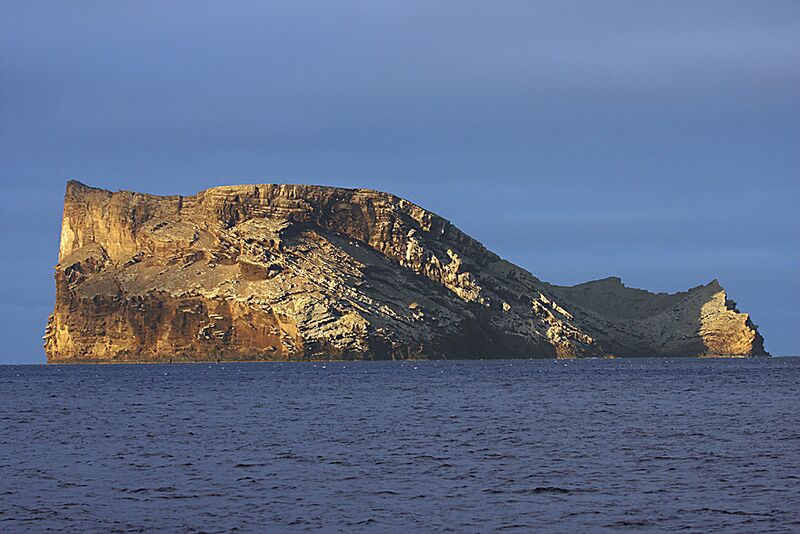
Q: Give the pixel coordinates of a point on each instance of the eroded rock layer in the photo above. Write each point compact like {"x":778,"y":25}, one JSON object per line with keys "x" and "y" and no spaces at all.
{"x":290,"y":272}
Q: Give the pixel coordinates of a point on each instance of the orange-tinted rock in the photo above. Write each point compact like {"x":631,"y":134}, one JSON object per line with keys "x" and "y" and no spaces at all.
{"x":281,"y":272}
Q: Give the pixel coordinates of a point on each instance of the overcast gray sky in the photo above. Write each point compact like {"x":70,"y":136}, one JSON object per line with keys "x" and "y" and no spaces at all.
{"x":656,"y":141}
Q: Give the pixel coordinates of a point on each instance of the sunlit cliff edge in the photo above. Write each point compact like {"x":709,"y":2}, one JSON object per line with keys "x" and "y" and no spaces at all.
{"x":296,"y":272}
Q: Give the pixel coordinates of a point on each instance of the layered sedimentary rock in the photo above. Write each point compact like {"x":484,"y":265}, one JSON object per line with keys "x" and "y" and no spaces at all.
{"x":292,"y":272}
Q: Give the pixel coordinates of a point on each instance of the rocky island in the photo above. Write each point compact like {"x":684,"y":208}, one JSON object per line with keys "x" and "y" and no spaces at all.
{"x":296,"y":272}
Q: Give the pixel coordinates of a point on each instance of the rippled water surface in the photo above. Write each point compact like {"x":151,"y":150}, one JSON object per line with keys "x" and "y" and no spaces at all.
{"x":475,"y":446}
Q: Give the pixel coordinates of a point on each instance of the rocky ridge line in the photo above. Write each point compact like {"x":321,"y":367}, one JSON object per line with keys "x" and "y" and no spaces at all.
{"x":284,"y":272}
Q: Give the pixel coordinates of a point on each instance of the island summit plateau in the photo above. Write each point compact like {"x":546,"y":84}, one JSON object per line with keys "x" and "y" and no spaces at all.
{"x":300,"y":272}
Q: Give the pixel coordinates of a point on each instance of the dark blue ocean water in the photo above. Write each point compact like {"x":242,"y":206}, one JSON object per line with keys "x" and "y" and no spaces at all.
{"x":466,"y":446}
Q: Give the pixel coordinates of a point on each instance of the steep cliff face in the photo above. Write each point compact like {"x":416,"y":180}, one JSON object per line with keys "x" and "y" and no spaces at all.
{"x":285,"y":272}
{"x":631,"y":322}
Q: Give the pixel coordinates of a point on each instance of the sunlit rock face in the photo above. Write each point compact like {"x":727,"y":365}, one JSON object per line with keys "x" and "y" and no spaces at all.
{"x":295,"y":272}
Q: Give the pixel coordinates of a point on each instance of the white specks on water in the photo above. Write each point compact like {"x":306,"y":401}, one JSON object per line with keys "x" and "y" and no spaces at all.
{"x":535,"y":445}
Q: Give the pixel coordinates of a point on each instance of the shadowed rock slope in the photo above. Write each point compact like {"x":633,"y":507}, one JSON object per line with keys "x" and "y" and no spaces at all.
{"x":291,"y":272}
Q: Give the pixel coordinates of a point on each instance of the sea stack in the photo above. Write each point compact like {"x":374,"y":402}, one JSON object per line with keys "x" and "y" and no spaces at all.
{"x":299,"y":272}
